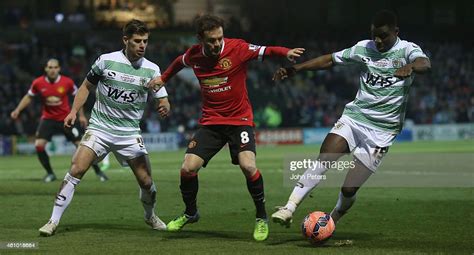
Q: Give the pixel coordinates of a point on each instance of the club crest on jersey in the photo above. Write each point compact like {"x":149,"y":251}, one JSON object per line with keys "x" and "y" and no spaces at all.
{"x":225,"y":63}
{"x":142,"y":81}
{"x":397,"y":63}
{"x":61,"y":89}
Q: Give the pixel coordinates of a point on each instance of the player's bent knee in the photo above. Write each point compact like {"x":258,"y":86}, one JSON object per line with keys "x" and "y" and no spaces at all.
{"x":188,"y":171}
{"x":78,"y":168}
{"x":248,"y":169}
{"x":41,"y":142}
{"x":145,"y":183}
{"x":349,"y":191}
{"x":40,"y":148}
{"x":77,"y":171}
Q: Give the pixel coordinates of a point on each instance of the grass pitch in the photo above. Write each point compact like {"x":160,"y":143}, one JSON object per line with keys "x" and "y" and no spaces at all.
{"x":107,"y":218}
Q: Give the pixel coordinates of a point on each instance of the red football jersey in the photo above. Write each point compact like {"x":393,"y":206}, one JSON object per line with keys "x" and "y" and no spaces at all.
{"x":54,"y":96}
{"x":223,"y":80}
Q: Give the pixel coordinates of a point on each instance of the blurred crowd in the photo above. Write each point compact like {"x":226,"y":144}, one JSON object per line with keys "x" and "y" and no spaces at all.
{"x":311,"y":99}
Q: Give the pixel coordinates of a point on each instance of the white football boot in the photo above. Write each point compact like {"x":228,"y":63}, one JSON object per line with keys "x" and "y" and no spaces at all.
{"x":283,"y":216}
{"x":156,"y":223}
{"x":48,"y":229}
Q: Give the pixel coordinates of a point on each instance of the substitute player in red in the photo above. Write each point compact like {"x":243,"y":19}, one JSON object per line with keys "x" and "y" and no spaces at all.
{"x":54,"y":90}
{"x":220,"y":64}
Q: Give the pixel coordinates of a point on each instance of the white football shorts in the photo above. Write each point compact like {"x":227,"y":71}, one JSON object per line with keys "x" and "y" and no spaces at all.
{"x":123,"y":147}
{"x":368,"y":145}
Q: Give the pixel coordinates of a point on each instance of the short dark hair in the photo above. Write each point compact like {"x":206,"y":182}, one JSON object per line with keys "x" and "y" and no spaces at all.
{"x":135,"y":27}
{"x":207,"y":22}
{"x":385,"y":17}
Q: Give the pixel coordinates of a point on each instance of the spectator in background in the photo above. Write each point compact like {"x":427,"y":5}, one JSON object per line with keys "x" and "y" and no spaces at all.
{"x":449,"y":81}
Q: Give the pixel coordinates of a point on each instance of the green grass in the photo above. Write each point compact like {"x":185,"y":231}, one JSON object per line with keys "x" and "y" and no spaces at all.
{"x":107,"y":217}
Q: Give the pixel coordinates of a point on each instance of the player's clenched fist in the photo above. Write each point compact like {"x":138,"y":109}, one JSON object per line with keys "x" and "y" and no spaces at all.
{"x":404,"y":71}
{"x":14,"y":114}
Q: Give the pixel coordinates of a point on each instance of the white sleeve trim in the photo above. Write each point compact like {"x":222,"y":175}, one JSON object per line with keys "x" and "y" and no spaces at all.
{"x":74,"y":90}
{"x":157,"y":72}
{"x":30,"y":93}
{"x":261,"y":52}
{"x":182,"y":60}
{"x":414,"y":54}
{"x":161,"y":93}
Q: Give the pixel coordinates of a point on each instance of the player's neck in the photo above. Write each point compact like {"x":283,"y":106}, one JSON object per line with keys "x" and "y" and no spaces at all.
{"x":389,"y":48}
{"x":207,"y":54}
{"x":51,"y":80}
{"x":127,"y":55}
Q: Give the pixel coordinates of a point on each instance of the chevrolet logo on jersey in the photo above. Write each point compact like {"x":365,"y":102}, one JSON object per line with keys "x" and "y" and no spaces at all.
{"x":214,"y":81}
{"x":53,"y":101}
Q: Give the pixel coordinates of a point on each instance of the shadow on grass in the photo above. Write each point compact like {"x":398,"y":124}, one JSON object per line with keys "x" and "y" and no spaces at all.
{"x":204,"y":234}
{"x":298,"y":240}
{"x":101,"y":227}
{"x":145,"y":230}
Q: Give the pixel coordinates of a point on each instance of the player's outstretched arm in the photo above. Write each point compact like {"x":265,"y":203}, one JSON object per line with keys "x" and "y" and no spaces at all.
{"x":79,"y":101}
{"x":163,"y":106}
{"x":279,"y":51}
{"x":319,"y":63}
{"x":419,"y":66}
{"x":25,"y":101}
{"x":173,"y":69}
{"x":294,"y":53}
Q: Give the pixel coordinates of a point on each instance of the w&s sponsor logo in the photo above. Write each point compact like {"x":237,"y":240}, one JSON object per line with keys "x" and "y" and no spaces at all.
{"x":123,"y":96}
{"x":379,"y":80}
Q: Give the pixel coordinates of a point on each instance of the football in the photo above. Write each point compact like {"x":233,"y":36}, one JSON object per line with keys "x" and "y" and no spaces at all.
{"x":317,"y":227}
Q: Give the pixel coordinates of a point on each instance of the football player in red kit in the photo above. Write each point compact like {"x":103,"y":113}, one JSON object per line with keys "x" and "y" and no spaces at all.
{"x":220,"y":64}
{"x":54,"y":90}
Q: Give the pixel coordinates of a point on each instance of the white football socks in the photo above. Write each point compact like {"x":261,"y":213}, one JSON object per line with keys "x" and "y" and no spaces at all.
{"x":64,"y":197}
{"x":343,"y":204}
{"x":148,"y":198}
{"x":307,"y":182}
{"x":106,"y":160}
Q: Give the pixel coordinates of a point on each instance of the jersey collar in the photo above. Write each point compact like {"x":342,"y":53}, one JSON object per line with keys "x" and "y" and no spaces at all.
{"x":395,"y":44}
{"x":55,"y":81}
{"x":136,"y":63}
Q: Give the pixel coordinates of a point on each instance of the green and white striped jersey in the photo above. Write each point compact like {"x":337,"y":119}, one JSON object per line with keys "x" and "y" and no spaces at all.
{"x":382,"y":98}
{"x":121,"y":94}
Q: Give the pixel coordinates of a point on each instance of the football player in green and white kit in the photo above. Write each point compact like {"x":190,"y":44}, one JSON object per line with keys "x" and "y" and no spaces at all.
{"x":119,"y":79}
{"x":370,"y":123}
